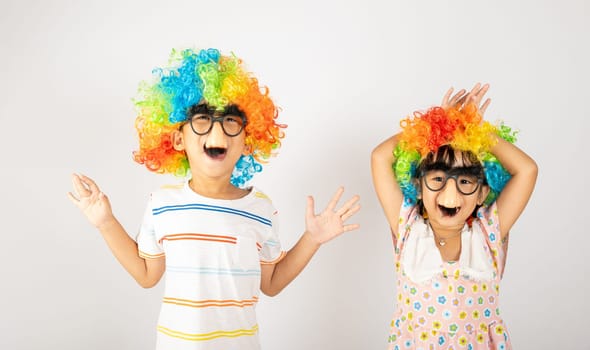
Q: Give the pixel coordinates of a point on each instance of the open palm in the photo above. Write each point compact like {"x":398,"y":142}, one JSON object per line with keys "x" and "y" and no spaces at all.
{"x":331,"y":222}
{"x":90,"y":200}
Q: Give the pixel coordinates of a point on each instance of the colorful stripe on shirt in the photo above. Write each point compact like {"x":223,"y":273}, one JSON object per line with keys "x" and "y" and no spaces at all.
{"x":208,"y":336}
{"x":199,"y":237}
{"x":211,"y":302}
{"x":150,"y":256}
{"x":198,"y":206}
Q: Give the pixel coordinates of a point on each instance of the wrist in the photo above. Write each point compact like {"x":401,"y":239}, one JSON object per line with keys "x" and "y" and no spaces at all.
{"x":107,"y":224}
{"x":310,"y":240}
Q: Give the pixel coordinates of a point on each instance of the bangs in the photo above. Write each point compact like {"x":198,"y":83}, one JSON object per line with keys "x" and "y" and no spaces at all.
{"x":446,"y":159}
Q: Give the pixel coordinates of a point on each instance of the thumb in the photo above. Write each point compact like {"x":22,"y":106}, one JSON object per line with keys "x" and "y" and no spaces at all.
{"x":310,"y":211}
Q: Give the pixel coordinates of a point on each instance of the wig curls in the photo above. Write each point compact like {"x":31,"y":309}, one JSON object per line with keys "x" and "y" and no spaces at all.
{"x":464,"y":130}
{"x":203,"y":76}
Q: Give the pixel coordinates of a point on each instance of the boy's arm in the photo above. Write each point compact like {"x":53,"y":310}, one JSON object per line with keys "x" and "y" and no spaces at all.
{"x":319,"y":229}
{"x":97,"y":208}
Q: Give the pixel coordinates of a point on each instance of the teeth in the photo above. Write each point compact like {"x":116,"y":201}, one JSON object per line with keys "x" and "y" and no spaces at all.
{"x":449,"y":211}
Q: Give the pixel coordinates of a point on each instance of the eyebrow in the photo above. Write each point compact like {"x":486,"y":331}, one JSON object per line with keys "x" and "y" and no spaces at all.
{"x":472,"y":169}
{"x":204,"y":108}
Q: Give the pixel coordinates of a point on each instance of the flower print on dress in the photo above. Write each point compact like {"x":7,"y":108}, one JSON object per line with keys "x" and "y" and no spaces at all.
{"x":417,"y":306}
{"x":447,"y":314}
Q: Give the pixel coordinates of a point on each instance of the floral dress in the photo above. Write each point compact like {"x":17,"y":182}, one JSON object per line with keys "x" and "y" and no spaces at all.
{"x":448,"y":305}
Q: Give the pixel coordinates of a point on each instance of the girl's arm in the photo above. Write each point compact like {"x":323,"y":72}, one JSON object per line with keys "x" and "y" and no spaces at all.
{"x":514,"y":197}
{"x":388,"y":191}
{"x":319,"y":229}
{"x":97,"y":208}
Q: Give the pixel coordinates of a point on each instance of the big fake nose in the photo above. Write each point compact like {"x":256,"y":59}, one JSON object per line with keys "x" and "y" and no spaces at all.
{"x":448,"y":195}
{"x":216,"y":137}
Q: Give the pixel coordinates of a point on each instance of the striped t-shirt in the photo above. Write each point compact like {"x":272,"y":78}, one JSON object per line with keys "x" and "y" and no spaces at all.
{"x":213,"y":251}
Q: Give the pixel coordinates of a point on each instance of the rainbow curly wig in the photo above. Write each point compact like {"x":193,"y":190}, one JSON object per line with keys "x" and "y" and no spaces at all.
{"x":463,"y":130}
{"x":203,"y":76}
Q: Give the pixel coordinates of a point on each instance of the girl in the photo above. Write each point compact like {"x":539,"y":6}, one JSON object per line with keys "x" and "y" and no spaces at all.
{"x":458,"y":185}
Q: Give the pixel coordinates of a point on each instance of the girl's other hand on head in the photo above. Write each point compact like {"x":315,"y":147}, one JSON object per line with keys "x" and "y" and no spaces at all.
{"x":462,"y":98}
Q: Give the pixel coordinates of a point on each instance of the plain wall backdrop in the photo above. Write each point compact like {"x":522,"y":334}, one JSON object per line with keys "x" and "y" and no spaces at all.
{"x":344,"y":74}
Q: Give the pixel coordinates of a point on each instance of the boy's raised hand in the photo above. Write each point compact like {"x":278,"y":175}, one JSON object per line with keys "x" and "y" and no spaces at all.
{"x":91,"y":201}
{"x":331,"y":222}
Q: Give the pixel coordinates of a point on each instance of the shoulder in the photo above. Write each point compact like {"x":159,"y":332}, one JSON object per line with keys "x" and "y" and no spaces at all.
{"x":488,"y":219}
{"x":168,"y":193}
{"x":259,"y":201}
{"x":259,"y":195}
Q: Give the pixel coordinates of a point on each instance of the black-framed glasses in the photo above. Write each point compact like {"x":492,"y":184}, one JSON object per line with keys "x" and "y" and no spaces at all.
{"x":466,"y":184}
{"x":232,"y":125}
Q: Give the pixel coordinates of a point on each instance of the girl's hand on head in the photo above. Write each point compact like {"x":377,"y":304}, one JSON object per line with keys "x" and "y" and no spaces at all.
{"x":91,"y":201}
{"x":457,"y":99}
{"x":330,"y":223}
{"x":476,"y":95}
{"x":462,"y":98}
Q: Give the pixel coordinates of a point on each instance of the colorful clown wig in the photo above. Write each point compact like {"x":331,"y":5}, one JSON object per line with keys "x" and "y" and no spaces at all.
{"x":203,"y":76}
{"x":462,"y":129}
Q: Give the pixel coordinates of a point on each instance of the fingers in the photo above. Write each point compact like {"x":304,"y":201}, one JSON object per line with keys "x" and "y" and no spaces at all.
{"x":350,"y":227}
{"x":348,"y":207}
{"x":347,"y":214}
{"x":458,"y":97}
{"x":90,"y":183}
{"x":445,"y":100}
{"x":335,"y":199}
{"x":310,"y":210}
{"x":485,"y":105}
{"x":73,"y":198}
{"x":449,"y":101}
{"x":79,"y":186}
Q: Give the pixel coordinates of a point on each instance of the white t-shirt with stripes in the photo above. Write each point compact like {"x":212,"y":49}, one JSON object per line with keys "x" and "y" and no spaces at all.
{"x":213,"y":250}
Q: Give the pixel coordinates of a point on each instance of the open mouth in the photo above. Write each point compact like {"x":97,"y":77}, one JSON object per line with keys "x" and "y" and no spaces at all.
{"x":215,"y":152}
{"x":449,"y":211}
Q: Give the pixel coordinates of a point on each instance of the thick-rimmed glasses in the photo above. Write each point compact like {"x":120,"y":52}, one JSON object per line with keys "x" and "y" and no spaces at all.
{"x":232,"y":125}
{"x":466,"y":184}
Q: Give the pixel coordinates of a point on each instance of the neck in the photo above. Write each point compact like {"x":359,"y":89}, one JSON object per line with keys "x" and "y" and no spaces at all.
{"x":215,"y":188}
{"x":445,"y":232}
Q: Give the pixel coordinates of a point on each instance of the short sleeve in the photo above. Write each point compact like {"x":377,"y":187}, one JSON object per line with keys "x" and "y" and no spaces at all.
{"x":489,"y":222}
{"x":147,"y":243}
{"x":270,"y":248}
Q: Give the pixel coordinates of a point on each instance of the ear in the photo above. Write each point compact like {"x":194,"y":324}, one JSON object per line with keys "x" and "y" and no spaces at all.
{"x":483,"y":194}
{"x":247,"y":150}
{"x":418,"y":185}
{"x":178,"y":140}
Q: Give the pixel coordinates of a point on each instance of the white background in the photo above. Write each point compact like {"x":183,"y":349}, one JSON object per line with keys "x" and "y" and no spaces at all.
{"x":344,"y":73}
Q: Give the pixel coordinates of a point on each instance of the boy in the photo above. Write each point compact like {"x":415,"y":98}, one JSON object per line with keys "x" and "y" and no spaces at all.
{"x":217,"y":242}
